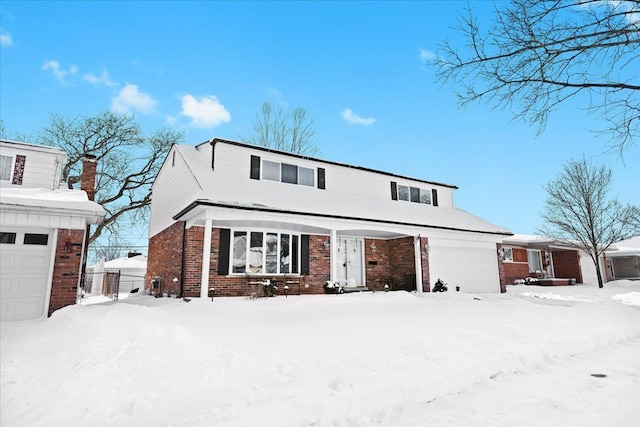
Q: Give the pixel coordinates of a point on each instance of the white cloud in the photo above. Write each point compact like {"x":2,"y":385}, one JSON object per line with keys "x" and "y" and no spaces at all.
{"x":5,"y":39}
{"x":59,"y":73}
{"x":130,"y":98}
{"x":204,"y":112}
{"x":352,"y":118}
{"x":426,"y":55}
{"x":102,"y":79}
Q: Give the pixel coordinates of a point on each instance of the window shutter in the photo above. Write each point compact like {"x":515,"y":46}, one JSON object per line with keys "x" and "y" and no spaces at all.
{"x":394,"y":190}
{"x":321,"y":184}
{"x":255,"y":167}
{"x":304,"y":254}
{"x":18,"y":170}
{"x":223,"y":252}
{"x":434,"y":196}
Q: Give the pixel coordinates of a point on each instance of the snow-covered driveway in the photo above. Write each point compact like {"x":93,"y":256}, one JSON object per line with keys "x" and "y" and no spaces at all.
{"x":390,"y":359}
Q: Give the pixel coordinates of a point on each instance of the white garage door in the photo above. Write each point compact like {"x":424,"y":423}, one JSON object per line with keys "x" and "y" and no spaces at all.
{"x":25,"y":261}
{"x":471,"y":265}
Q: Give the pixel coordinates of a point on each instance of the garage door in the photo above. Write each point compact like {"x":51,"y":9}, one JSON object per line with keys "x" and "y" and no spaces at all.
{"x":25,"y":261}
{"x":469,"y":264}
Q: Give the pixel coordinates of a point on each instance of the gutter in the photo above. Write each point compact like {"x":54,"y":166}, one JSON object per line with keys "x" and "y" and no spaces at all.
{"x":197,"y":203}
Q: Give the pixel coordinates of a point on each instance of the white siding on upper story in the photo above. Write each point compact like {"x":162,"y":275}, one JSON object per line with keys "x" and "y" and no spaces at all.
{"x":351,"y":192}
{"x":174,"y":188}
{"x":233,"y":163}
{"x":42,"y":166}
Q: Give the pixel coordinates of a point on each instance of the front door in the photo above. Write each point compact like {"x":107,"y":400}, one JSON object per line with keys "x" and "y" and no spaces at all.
{"x":350,"y":261}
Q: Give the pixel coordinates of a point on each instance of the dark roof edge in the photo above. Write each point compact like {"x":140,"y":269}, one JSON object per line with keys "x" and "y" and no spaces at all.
{"x":196,"y":203}
{"x":329,"y":162}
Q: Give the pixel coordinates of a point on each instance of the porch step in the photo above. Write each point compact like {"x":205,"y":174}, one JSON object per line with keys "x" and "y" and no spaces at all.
{"x":556,"y":282}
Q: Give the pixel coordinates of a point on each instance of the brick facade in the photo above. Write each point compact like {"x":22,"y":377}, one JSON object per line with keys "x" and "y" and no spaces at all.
{"x":566,"y":265}
{"x":390,"y":262}
{"x":66,"y":269}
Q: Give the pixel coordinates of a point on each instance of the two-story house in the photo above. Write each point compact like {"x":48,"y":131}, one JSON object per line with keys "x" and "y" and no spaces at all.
{"x":43,"y":226}
{"x":225,"y":212}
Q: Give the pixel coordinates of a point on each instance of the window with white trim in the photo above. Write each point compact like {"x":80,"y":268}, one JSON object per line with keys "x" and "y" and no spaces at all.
{"x":508,"y":254}
{"x":286,"y":172}
{"x":413,"y":194}
{"x":6,"y":164}
{"x":534,"y":258}
{"x":264,"y":252}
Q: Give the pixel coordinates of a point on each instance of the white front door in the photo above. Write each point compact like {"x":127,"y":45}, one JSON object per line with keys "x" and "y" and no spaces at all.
{"x":351,"y":261}
{"x":25,"y":260}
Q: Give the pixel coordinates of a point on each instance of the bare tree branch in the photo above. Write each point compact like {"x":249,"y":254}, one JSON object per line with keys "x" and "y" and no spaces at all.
{"x":291,"y":131}
{"x":579,"y":211}
{"x":128,"y":162}
{"x":536,"y":55}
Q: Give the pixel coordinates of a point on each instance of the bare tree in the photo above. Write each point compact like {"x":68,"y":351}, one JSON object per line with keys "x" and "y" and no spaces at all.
{"x":290,"y":131}
{"x":128,"y":162}
{"x":580,"y":212}
{"x":537,"y":54}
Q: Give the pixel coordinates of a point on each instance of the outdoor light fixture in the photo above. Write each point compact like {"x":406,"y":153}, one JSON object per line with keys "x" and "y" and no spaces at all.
{"x":426,"y":247}
{"x":327,"y":245}
{"x":501,"y":253}
{"x":373,"y":246}
{"x":175,"y":280}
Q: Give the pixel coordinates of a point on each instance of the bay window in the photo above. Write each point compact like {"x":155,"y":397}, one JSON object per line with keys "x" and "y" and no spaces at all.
{"x":267,"y":252}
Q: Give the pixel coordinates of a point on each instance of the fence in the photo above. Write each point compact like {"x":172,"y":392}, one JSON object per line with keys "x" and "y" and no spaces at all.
{"x":103,"y":283}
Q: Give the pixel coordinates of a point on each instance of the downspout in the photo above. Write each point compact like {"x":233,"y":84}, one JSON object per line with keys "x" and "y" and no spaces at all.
{"x":83,"y":263}
{"x":184,"y":244}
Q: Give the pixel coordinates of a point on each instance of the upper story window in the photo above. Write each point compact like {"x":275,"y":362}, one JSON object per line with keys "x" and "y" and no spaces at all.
{"x":286,"y":172}
{"x":6,"y":164}
{"x":414,"y":194}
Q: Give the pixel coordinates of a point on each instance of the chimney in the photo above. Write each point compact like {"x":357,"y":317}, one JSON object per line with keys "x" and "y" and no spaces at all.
{"x":88,"y":179}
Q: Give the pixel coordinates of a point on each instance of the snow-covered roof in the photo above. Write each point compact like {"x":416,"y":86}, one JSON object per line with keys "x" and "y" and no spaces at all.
{"x":60,"y":201}
{"x":337,"y":204}
{"x":625,"y":248}
{"x":35,"y":147}
{"x":138,"y":261}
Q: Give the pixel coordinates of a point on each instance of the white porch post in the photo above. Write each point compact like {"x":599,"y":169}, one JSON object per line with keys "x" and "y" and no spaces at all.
{"x":206,"y":257}
{"x":417,"y":251}
{"x":334,"y":257}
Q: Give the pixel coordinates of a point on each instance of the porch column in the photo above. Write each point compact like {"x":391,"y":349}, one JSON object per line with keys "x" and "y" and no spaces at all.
{"x":206,"y":257}
{"x":333,"y":254}
{"x":417,"y":252}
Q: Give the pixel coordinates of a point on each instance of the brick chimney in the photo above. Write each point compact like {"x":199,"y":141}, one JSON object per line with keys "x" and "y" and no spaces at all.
{"x":88,"y":178}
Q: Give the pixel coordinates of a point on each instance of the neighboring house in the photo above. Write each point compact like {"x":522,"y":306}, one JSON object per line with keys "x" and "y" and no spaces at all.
{"x":225,"y":213}
{"x":551,"y":261}
{"x":624,"y":259}
{"x":43,"y":229}
{"x":131,"y":271}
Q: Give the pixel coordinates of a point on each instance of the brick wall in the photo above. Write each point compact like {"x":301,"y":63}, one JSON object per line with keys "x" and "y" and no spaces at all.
{"x":165,"y":258}
{"x":66,"y":269}
{"x":566,"y":265}
{"x":402,"y":261}
{"x":377,"y":264}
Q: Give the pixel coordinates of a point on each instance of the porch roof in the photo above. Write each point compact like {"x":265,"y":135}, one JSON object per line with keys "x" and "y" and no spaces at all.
{"x":468,"y":222}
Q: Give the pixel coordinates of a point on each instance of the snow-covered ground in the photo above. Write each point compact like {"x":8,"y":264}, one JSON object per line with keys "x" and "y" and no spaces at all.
{"x":524,"y":358}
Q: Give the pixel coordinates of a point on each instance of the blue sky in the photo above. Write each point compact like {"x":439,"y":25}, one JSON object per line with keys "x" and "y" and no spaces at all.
{"x":356,"y":67}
